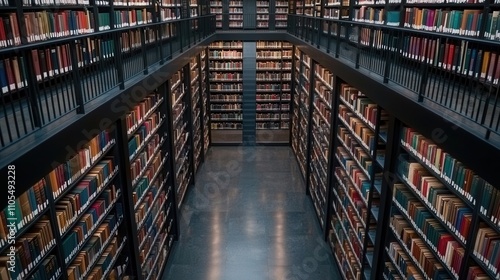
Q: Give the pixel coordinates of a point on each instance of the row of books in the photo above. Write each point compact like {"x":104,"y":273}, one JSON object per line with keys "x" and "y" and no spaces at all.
{"x":285,"y":65}
{"x":86,"y":227}
{"x":272,"y":106}
{"x":453,"y":172}
{"x":447,"y":206}
{"x":461,"y":22}
{"x":225,"y":54}
{"x":143,"y":133}
{"x":134,"y":17}
{"x":226,"y":87}
{"x":70,"y":172}
{"x":226,"y":76}
{"x":273,"y":45}
{"x":487,"y":248}
{"x":402,"y":263}
{"x":349,"y":267}
{"x":230,"y":106}
{"x":274,"y":76}
{"x":273,"y":87}
{"x":148,"y":158}
{"x":227,"y":65}
{"x":150,"y":183}
{"x":270,"y":125}
{"x":226,"y":125}
{"x":226,"y":116}
{"x":354,"y":149}
{"x":267,"y":54}
{"x":271,"y":116}
{"x":361,"y":132}
{"x":71,"y":206}
{"x":225,"y":97}
{"x":436,"y":237}
{"x":135,"y":117}
{"x":29,"y":250}
{"x":227,"y":44}
{"x":275,"y":97}
{"x":26,"y":208}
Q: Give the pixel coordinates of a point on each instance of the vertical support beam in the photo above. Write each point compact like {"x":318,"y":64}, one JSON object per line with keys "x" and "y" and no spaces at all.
{"x":249,"y":88}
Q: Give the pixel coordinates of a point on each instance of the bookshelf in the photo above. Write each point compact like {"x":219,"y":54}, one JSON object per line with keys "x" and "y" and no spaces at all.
{"x":273,"y":98}
{"x":196,"y":108}
{"x":281,"y":14}
{"x":320,"y":134}
{"x":262,"y":13}
{"x":152,"y":191}
{"x":70,"y":219}
{"x":170,"y":10}
{"x":428,"y":178}
{"x":205,"y":101}
{"x":217,"y":10}
{"x":235,"y":14}
{"x":301,"y":104}
{"x":226,"y":89}
{"x":442,"y":219}
{"x":182,"y":133}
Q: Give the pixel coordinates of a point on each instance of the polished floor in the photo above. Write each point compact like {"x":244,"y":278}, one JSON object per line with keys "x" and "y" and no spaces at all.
{"x":248,"y":218}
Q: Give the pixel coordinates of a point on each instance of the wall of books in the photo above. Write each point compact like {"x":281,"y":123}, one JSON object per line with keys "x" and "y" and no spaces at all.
{"x":99,"y":215}
{"x":392,"y":202}
{"x":274,"y":75}
{"x":265,"y":14}
{"x":102,"y":215}
{"x":226,"y":89}
{"x":301,"y":106}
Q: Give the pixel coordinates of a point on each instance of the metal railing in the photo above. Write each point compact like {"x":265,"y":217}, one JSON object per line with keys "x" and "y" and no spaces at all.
{"x":43,"y":81}
{"x":439,"y":69}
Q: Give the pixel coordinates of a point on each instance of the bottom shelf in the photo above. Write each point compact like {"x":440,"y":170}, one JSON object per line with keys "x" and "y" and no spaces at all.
{"x":270,"y":136}
{"x":228,"y":136}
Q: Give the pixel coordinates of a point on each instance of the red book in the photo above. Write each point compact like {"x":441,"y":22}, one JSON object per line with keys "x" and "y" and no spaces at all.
{"x":443,"y":242}
{"x":449,"y":58}
{"x":10,"y":73}
{"x":36,"y":64}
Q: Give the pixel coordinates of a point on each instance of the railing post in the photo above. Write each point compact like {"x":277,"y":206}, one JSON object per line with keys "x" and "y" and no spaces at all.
{"x":143,"y":51}
{"x":358,"y":49}
{"x":337,"y":49}
{"x":119,"y":61}
{"x":388,"y":58}
{"x":329,"y":38}
{"x":77,"y":83}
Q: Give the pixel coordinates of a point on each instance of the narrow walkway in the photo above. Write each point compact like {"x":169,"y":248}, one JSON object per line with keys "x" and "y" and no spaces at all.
{"x":248,"y":218}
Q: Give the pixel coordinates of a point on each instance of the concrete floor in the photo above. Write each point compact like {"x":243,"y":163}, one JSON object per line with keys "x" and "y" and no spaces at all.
{"x":248,"y":217}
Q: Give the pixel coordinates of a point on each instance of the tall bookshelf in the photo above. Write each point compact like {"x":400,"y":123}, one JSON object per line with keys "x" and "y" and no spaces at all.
{"x":196,"y":108}
{"x":281,"y":14}
{"x":274,"y":65}
{"x":235,"y":14}
{"x":460,"y":205}
{"x":101,"y":214}
{"x":182,"y":135}
{"x":320,"y":134}
{"x":151,"y":183}
{"x":301,"y":103}
{"x":70,"y":220}
{"x":359,"y":153}
{"x":226,"y":88}
{"x":170,"y":10}
{"x":262,"y":10}
{"x":217,"y":10}
{"x":205,"y":101}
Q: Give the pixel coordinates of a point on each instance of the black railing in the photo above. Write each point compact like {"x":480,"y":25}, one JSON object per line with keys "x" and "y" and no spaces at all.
{"x":43,"y":81}
{"x":438,"y":69}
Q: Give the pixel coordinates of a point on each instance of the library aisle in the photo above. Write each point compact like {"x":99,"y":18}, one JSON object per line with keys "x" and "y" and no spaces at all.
{"x":249,"y":218}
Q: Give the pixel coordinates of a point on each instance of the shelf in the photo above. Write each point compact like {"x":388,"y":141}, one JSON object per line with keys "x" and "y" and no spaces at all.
{"x":432,"y":248}
{"x":68,"y":260}
{"x":358,"y":189}
{"x":146,"y":140}
{"x":92,"y":198}
{"x":69,"y":185}
{"x":450,"y":228}
{"x":354,"y":158}
{"x":160,"y":188}
{"x":150,"y":160}
{"x":350,"y":201}
{"x":336,"y":258}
